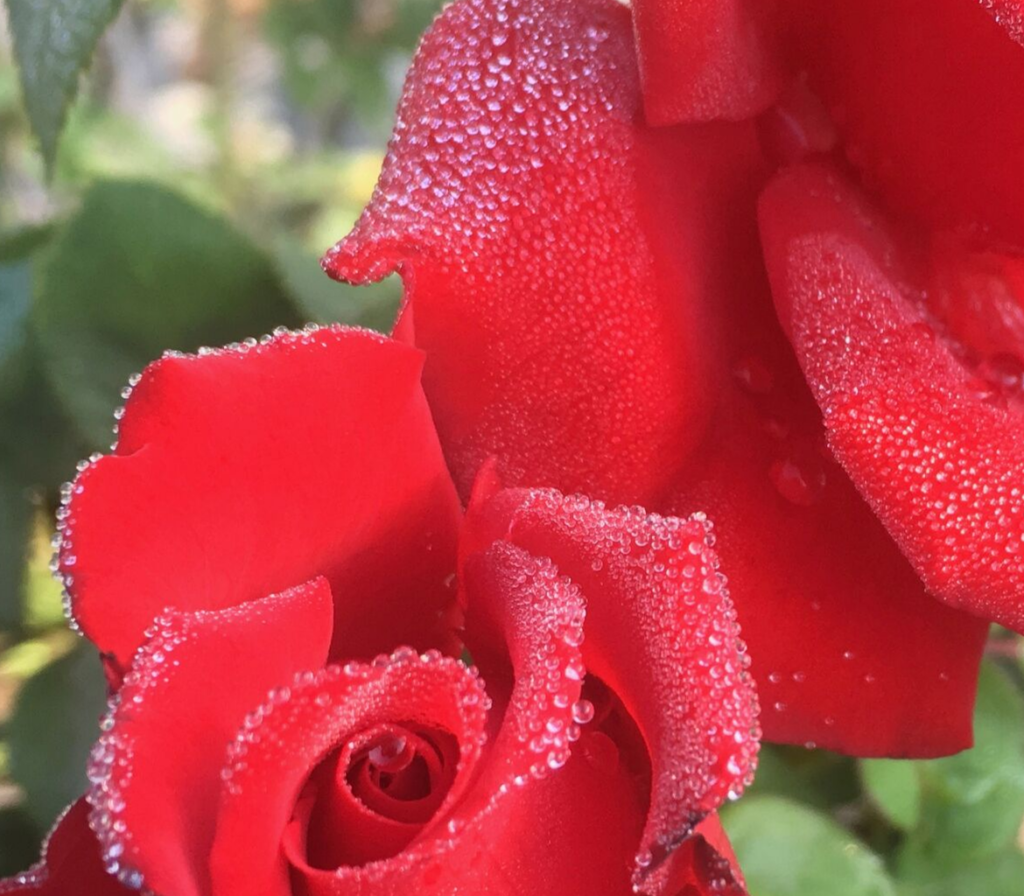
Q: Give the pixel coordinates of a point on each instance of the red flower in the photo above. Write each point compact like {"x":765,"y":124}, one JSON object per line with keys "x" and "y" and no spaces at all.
{"x":274,"y":515}
{"x":592,"y":295}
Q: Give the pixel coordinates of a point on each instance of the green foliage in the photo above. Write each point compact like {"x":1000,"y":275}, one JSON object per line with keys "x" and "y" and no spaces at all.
{"x":932,"y":872}
{"x":15,"y":527}
{"x":816,"y":777}
{"x":337,"y":53}
{"x":894,"y":786}
{"x":322,"y":300}
{"x":974,"y":802}
{"x":37,"y":444}
{"x":138,"y":270}
{"x":20,"y":839}
{"x":788,"y":849}
{"x":53,"y":42}
{"x":52,"y":730}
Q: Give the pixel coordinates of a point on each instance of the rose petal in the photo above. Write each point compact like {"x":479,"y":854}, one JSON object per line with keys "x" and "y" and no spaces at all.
{"x":938,"y":460}
{"x":511,"y":801}
{"x":156,"y":771}
{"x":705,"y":864}
{"x":552,"y":248}
{"x":70,"y":863}
{"x":661,"y":633}
{"x":1008,"y":14}
{"x":707,"y":59}
{"x":942,"y":141}
{"x":244,"y":471}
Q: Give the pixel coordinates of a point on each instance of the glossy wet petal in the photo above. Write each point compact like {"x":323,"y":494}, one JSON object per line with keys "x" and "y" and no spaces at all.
{"x":660,"y":633}
{"x":940,"y":141}
{"x":235,"y":476}
{"x":71,"y":863}
{"x":156,"y":770}
{"x":702,"y":60}
{"x":550,"y":260}
{"x":935,"y":447}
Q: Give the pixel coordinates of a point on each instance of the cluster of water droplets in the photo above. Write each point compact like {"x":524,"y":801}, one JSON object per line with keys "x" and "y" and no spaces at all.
{"x":937,"y":458}
{"x":111,"y":762}
{"x":653,"y":584}
{"x":1008,"y":14}
{"x":511,"y":190}
{"x":542,"y":615}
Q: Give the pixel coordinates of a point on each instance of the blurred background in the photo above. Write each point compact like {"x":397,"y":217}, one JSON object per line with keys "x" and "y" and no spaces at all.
{"x":214,"y":150}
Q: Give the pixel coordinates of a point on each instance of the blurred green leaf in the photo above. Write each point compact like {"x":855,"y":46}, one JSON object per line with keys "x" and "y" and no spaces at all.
{"x":323,"y":300}
{"x":19,"y":841}
{"x":44,"y":606}
{"x":817,"y":777}
{"x":922,"y":872}
{"x":895,"y":788}
{"x":37,"y":444}
{"x":140,"y":269}
{"x":786,"y":849}
{"x":15,"y":528}
{"x":53,"y":42}
{"x":15,"y":303}
{"x":974,"y":801}
{"x":340,"y":55}
{"x":52,"y":729}
{"x":16,"y":282}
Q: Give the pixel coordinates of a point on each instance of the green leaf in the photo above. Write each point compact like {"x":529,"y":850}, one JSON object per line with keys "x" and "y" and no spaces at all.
{"x":895,"y":788}
{"x":974,"y":801}
{"x":139,"y":269}
{"x":50,"y":734}
{"x":20,"y":841}
{"x":53,"y":42}
{"x":786,"y":849}
{"x":923,"y":872}
{"x":817,"y":777}
{"x":323,"y":300}
{"x":17,"y":249}
{"x":15,"y":529}
{"x":37,"y":444}
{"x":15,"y":303}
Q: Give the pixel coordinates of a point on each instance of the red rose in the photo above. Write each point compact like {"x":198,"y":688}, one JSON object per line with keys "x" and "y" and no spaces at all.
{"x":288,"y":504}
{"x":600,"y":306}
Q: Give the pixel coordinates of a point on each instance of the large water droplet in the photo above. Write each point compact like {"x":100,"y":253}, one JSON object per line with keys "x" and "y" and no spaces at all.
{"x":799,"y":482}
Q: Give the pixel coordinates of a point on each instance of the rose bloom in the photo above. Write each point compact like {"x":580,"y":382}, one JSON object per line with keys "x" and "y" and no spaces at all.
{"x":281,"y":578}
{"x":773,"y":273}
{"x":764,"y":263}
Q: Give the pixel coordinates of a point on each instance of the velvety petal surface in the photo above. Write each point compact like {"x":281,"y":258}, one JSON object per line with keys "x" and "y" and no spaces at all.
{"x":702,"y":60}
{"x":244,"y":471}
{"x":550,"y":260}
{"x":71,"y":863}
{"x":660,"y":633}
{"x":932,"y":437}
{"x":156,"y":770}
{"x":926,"y":94}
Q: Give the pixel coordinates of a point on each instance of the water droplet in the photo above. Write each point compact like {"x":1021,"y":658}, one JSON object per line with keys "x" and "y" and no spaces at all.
{"x":390,"y":754}
{"x":582,"y":712}
{"x":799,"y":482}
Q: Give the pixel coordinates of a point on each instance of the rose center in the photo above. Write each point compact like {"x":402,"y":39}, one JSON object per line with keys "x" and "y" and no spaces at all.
{"x":368,"y":799}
